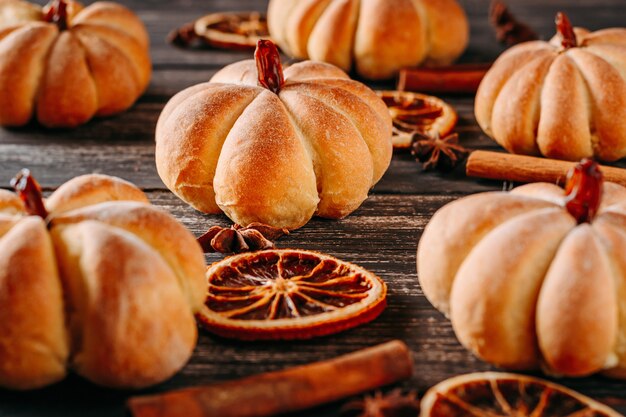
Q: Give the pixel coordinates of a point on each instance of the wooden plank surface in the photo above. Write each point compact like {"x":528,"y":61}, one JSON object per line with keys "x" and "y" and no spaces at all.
{"x":381,"y":236}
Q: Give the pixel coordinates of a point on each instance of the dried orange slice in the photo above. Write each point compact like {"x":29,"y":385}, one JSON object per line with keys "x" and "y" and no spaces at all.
{"x":415,"y":112}
{"x":238,"y":30}
{"x":288,"y":294}
{"x":495,"y":394}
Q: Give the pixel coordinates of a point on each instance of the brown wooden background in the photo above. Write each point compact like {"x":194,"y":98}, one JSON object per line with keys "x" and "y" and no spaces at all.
{"x":381,"y":236}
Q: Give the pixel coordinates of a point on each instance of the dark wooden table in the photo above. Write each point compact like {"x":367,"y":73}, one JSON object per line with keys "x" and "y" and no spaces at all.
{"x":381,"y":236}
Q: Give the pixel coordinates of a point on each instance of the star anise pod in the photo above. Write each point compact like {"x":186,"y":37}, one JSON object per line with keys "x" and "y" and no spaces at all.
{"x":394,"y":404}
{"x":509,"y":30}
{"x":237,"y":239}
{"x":435,"y":152}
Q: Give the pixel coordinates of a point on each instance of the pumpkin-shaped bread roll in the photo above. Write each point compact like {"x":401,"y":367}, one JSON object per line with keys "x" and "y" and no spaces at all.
{"x":277,"y":150}
{"x":97,"y":280}
{"x":536,"y":277}
{"x":375,"y":37}
{"x":563,"y":99}
{"x":65,"y":64}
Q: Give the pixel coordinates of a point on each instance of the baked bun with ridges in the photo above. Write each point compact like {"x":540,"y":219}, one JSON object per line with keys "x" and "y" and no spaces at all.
{"x":563,"y":99}
{"x":97,"y":281}
{"x":314,"y":144}
{"x":65,"y":64}
{"x":376,"y":37}
{"x":535,"y":277}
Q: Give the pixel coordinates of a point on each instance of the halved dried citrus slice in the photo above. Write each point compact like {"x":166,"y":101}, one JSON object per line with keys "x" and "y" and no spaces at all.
{"x":415,"y":112}
{"x":288,"y":294}
{"x":495,"y":394}
{"x":239,"y":30}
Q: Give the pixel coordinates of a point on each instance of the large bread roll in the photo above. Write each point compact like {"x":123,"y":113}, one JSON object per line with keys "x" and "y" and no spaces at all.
{"x":528,"y":281}
{"x":313,"y":144}
{"x":65,"y":64}
{"x":376,"y":37}
{"x":106,"y":285}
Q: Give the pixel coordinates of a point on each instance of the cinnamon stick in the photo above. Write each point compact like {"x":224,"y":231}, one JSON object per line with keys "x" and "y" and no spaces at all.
{"x":463,"y":78}
{"x":284,"y":391}
{"x":520,"y":168}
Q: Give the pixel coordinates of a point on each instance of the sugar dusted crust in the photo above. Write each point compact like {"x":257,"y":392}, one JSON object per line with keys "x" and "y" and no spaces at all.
{"x":525,"y":286}
{"x":316,"y":148}
{"x":99,"y":66}
{"x":565,"y":104}
{"x":106,"y":286}
{"x":363,"y":34}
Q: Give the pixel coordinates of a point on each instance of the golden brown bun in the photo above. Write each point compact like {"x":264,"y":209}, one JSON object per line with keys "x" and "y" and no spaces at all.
{"x":611,"y":230}
{"x":577,"y":306}
{"x":454,"y":231}
{"x":99,"y":66}
{"x":10,"y":203}
{"x":494,"y":294}
{"x":22,"y":55}
{"x":264,"y":173}
{"x":33,"y":339}
{"x":197,"y":124}
{"x":129,"y":329}
{"x":15,"y":12}
{"x":315,"y":148}
{"x":364,"y":33}
{"x":539,"y":99}
{"x":158,"y":229}
{"x":112,"y":295}
{"x":90,"y":189}
{"x":525,"y":286}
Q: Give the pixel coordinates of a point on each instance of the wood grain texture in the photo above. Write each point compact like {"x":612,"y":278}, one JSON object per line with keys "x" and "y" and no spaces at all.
{"x":381,"y":236}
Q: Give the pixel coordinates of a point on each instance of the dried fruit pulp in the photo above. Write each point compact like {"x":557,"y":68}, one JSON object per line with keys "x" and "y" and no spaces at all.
{"x":500,"y":394}
{"x":232,"y":30}
{"x":288,"y":294}
{"x":241,"y":24}
{"x":414,"y":112}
